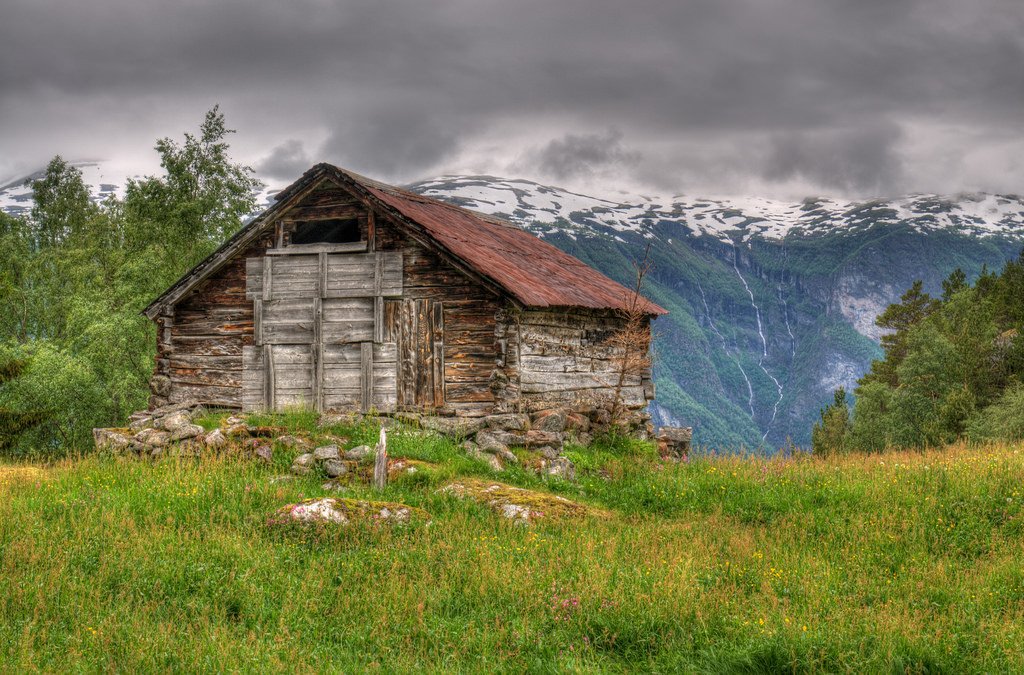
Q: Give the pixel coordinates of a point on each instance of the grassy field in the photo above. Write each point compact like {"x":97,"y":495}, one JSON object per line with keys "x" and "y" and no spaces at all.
{"x":902,"y":562}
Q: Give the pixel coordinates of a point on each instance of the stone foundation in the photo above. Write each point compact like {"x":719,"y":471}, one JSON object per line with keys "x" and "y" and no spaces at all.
{"x":674,"y":443}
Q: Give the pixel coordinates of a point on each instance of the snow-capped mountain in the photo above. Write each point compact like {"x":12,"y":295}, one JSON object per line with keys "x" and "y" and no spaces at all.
{"x":730,"y":219}
{"x":772,"y":303}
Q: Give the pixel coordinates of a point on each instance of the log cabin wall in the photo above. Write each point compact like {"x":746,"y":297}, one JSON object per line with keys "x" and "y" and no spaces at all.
{"x":564,"y":358}
{"x":458,"y":313}
{"x":200,"y":341}
{"x":453,"y":346}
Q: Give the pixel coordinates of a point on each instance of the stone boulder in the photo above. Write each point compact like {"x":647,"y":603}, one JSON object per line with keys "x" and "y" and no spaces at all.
{"x":114,"y":440}
{"x":674,"y":443}
{"x":342,"y":511}
{"x":561,"y":467}
{"x":521,"y":506}
{"x":358,"y":453}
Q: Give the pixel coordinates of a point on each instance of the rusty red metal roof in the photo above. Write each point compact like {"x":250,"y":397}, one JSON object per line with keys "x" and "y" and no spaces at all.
{"x":533,"y":271}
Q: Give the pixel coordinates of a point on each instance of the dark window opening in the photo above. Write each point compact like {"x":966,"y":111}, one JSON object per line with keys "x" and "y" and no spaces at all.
{"x":334,"y":231}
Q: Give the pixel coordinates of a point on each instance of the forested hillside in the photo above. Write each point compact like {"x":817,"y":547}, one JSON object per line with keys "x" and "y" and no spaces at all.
{"x":953,"y":369}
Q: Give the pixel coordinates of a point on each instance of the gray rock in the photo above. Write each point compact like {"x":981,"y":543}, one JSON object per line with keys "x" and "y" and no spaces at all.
{"x":215,"y":439}
{"x":184,"y":431}
{"x":263,"y":452}
{"x":174,"y":407}
{"x":160,"y":385}
{"x":237,"y":430}
{"x":550,"y":420}
{"x":358,"y":453}
{"x":507,"y":455}
{"x":152,"y":437}
{"x":303,"y":464}
{"x":335,"y":467}
{"x":233,"y":420}
{"x":561,"y":467}
{"x":293,"y":442}
{"x":335,"y":486}
{"x":493,"y":462}
{"x":491,"y":441}
{"x":138,"y":423}
{"x":110,"y":439}
{"x":174,"y":420}
{"x":536,"y":438}
{"x":326,"y":452}
{"x":452,"y":427}
{"x":548,"y":452}
{"x":508,"y":422}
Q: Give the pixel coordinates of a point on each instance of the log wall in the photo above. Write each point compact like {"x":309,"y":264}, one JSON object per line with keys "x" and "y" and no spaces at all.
{"x":468,"y":350}
{"x":199,"y":344}
{"x":566,"y":358}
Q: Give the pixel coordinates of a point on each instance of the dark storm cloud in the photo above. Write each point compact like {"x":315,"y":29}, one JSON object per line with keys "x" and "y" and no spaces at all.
{"x":860,"y":160}
{"x":843,"y":94}
{"x":286,"y":161}
{"x":582,"y":156}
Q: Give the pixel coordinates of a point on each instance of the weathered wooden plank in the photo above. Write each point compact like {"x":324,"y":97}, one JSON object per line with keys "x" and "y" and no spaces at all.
{"x":457,"y":392}
{"x":216,"y":361}
{"x":288,"y":333}
{"x":252,"y":385}
{"x":303,"y":212}
{"x":407,"y":354}
{"x":348,"y":331}
{"x":268,"y":277}
{"x":257,"y":329}
{"x":317,"y":354}
{"x":268,"y":377}
{"x":366,"y":376}
{"x":437,"y":355}
{"x":254,"y":278}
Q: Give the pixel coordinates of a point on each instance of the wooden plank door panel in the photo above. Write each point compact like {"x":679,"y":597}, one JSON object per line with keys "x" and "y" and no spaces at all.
{"x":420,"y":354}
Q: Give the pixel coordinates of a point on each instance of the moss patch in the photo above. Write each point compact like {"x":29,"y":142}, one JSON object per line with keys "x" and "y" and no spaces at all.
{"x":519,"y":504}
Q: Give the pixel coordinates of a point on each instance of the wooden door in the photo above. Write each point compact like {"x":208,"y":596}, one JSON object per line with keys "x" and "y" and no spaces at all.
{"x":421,"y":355}
{"x":318,"y":332}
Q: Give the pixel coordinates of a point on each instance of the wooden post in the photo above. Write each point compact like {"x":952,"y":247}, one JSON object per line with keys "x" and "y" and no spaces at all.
{"x":380,"y":463}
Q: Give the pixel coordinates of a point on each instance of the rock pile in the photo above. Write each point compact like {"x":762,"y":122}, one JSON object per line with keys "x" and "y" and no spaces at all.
{"x":521,"y":506}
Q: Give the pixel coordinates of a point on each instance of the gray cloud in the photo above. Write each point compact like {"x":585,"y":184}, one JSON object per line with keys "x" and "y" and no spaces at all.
{"x":860,"y":160}
{"x":576,"y":156}
{"x":720,"y":96}
{"x":285,"y":162}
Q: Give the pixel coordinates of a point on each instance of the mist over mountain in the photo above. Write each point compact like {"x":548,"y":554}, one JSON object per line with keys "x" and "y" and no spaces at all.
{"x":772,"y":304}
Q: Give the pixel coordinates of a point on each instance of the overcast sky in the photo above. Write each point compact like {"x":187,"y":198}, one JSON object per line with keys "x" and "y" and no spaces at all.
{"x":770,"y":97}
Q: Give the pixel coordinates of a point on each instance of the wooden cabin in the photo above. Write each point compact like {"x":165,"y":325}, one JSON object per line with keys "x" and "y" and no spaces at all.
{"x":349,"y":295}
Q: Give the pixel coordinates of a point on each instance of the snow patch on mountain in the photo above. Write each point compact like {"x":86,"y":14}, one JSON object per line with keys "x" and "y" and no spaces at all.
{"x":730,"y":219}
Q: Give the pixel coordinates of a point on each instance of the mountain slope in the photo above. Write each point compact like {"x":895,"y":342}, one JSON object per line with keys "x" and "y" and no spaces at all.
{"x":772,"y":304}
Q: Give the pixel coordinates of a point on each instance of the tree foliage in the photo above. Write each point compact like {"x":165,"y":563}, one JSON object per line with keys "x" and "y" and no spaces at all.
{"x":75,"y":276}
{"x":953,"y":369}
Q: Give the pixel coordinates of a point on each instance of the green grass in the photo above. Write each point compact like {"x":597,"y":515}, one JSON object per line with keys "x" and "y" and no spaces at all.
{"x":907,"y":562}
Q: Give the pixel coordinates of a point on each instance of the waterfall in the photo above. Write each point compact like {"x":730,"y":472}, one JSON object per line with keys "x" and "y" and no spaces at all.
{"x":725,"y":348}
{"x":792,"y":338}
{"x":764,"y":342}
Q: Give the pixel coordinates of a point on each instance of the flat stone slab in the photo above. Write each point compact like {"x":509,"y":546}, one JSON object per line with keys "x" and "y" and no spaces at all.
{"x":343,"y":511}
{"x":520,"y":505}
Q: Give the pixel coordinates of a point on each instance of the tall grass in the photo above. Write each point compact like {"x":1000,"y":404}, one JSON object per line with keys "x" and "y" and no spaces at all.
{"x":898,"y":562}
